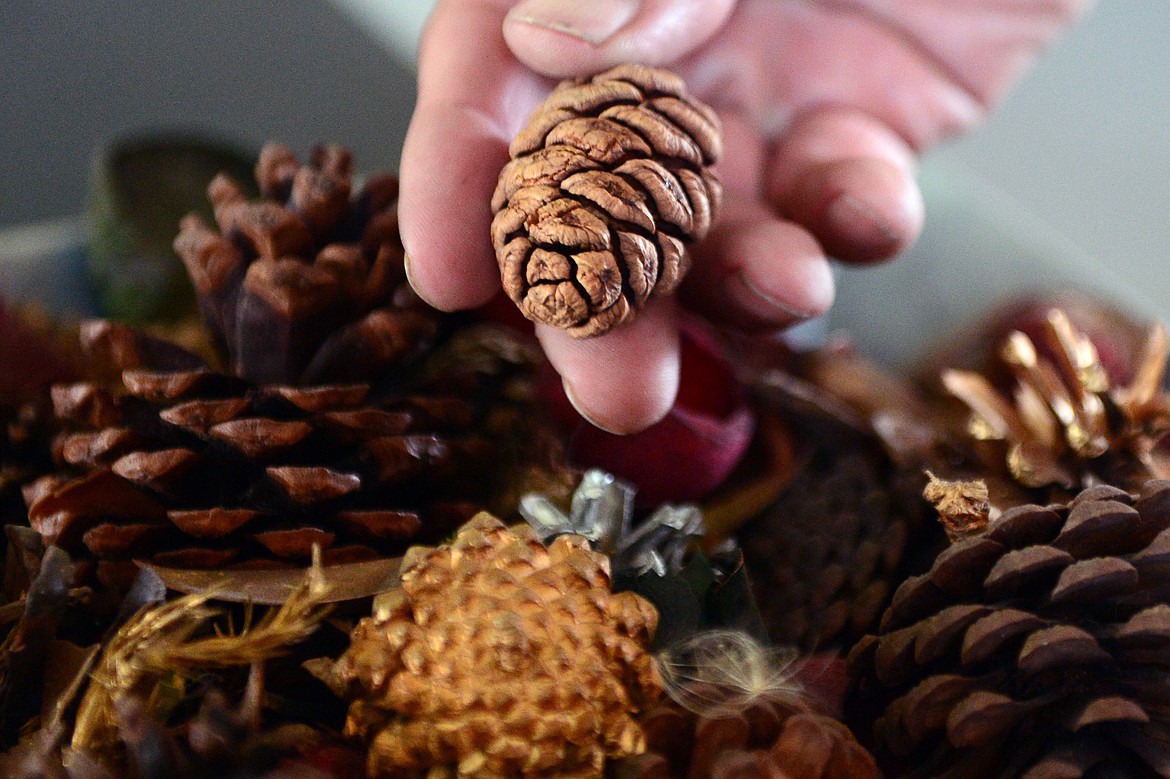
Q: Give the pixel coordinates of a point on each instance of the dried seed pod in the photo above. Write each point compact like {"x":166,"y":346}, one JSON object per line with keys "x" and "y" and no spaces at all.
{"x":607,"y":183}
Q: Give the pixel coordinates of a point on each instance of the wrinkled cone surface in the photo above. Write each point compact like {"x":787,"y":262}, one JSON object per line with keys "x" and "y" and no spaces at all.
{"x":607,"y":184}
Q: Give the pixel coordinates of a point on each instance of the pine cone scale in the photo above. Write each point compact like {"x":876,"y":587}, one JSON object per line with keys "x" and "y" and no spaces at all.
{"x":160,"y":470}
{"x":260,"y":438}
{"x":215,"y":522}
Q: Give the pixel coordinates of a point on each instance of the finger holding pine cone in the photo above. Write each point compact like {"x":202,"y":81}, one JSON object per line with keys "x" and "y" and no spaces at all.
{"x":608,"y":183}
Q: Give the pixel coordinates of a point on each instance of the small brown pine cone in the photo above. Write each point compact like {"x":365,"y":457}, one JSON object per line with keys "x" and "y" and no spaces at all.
{"x":826,"y":556}
{"x":607,"y":183}
{"x":767,"y":740}
{"x":501,"y":657}
{"x":307,"y":284}
{"x":191,"y":468}
{"x":1038,"y":648}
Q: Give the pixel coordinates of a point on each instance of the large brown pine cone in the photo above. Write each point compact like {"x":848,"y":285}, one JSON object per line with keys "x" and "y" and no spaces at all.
{"x":607,"y":183}
{"x":500,"y":656}
{"x":769,"y":739}
{"x":1039,"y":647}
{"x":197,"y":469}
{"x":306,"y":285}
{"x":825,"y":557}
{"x":25,"y":453}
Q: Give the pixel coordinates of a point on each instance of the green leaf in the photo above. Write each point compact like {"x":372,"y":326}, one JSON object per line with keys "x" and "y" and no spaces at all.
{"x":139,"y":189}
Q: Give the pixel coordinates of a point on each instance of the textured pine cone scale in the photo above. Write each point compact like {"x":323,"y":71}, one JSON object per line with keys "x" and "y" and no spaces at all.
{"x":1039,"y":648}
{"x":607,"y":184}
{"x":196,"y":469}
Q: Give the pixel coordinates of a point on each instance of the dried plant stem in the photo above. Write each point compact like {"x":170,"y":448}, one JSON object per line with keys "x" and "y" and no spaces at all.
{"x":157,"y":641}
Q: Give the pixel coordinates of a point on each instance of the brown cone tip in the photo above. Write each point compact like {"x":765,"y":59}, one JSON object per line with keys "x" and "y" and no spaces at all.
{"x":964,"y":507}
{"x":607,"y":183}
{"x":306,"y":284}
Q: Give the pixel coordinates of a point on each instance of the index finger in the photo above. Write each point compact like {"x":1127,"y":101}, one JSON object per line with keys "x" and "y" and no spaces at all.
{"x":473,"y":96}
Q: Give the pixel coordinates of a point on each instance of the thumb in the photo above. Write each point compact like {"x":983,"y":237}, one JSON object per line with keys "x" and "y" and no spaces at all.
{"x":562,"y":38}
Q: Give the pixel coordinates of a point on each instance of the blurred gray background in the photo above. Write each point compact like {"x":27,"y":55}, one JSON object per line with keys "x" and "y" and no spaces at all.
{"x":73,"y":74}
{"x":1082,"y":146}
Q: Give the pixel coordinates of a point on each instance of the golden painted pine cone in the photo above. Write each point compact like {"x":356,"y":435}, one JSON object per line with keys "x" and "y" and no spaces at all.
{"x":767,"y":740}
{"x":196,"y":469}
{"x":607,"y":184}
{"x":826,"y":556}
{"x":1047,"y":415}
{"x":500,"y":656}
{"x":306,"y":285}
{"x":1038,"y":647}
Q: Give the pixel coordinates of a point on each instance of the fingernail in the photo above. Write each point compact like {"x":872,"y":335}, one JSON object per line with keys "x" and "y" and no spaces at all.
{"x":593,"y":21}
{"x":406,"y":268}
{"x":754,"y":298}
{"x":861,"y":222}
{"x":584,"y":412}
{"x":410,"y":279}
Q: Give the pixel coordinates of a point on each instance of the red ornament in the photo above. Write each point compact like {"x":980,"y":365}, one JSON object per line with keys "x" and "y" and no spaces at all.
{"x":692,"y":450}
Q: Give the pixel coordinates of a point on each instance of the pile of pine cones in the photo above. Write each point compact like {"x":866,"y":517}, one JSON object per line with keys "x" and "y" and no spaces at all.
{"x":302,"y":552}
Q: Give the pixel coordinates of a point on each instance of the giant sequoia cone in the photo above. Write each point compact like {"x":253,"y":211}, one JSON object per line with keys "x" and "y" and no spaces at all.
{"x":1039,"y":647}
{"x":607,"y":183}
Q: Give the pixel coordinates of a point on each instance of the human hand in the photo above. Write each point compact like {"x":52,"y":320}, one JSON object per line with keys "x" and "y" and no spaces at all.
{"x":825,"y":106}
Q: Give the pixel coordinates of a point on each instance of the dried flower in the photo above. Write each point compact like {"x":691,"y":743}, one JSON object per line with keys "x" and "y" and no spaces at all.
{"x":161,"y":640}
